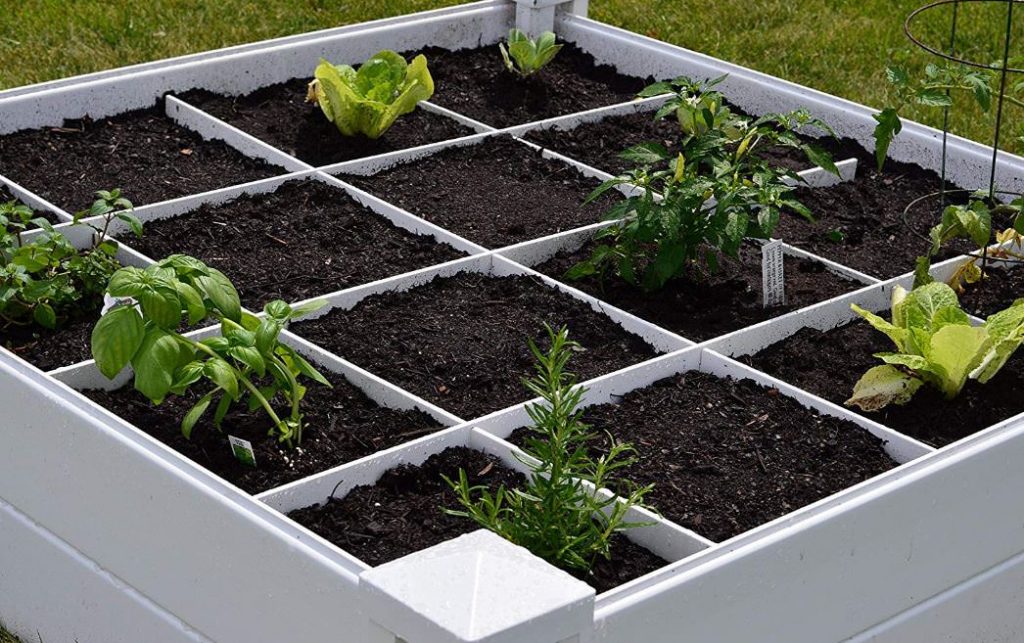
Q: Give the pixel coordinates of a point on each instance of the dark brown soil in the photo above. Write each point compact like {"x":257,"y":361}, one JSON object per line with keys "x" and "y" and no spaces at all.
{"x":599,"y":144}
{"x":402,"y":514}
{"x":727,"y":456}
{"x":828,"y":364}
{"x":49,"y":349}
{"x":868,"y":212}
{"x":461,"y":342}
{"x":708,"y":305}
{"x":279,"y":115}
{"x":303,"y":240}
{"x":142,"y":152}
{"x":997,"y":291}
{"x":496,"y":193}
{"x":474,"y":82}
{"x":342,"y":424}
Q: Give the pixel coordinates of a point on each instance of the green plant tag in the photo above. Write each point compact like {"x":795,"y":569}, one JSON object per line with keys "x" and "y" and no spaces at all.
{"x":243,"y":450}
{"x":773,"y":275}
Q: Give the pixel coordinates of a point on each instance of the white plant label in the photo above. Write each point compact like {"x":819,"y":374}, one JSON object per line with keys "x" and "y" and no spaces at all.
{"x":243,"y":450}
{"x":109,"y":303}
{"x":773,"y":274}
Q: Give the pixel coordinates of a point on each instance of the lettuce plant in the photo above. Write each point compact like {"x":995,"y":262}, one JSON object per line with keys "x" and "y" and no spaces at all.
{"x":936,"y":345}
{"x":557,"y":517}
{"x":368,"y":101}
{"x":691,"y":205}
{"x":524,"y":56}
{"x":246,"y":363}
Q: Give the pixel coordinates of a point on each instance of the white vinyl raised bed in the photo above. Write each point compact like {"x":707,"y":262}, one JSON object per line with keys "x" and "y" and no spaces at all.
{"x":107,"y":536}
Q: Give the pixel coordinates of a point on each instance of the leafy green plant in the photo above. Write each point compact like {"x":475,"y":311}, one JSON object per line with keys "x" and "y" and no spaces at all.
{"x":704,"y":198}
{"x":47,"y":280}
{"x":556,"y":516}
{"x":936,"y":89}
{"x":936,"y":345}
{"x":525,"y":56}
{"x":368,"y":101}
{"x":245,"y":364}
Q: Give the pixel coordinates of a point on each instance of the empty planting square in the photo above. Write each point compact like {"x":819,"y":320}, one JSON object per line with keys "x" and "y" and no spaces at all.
{"x":475,"y":82}
{"x":495,"y":193}
{"x":461,"y":342}
{"x":143,"y":152}
{"x":304,"y":239}
{"x":280,"y":115}
{"x":725,"y":456}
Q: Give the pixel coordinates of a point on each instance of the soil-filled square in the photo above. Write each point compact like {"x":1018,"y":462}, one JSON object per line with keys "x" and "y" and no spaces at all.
{"x":704,"y":304}
{"x":279,"y":115}
{"x":48,"y":349}
{"x":725,"y":456}
{"x":829,"y":363}
{"x":475,"y":83}
{"x":861,"y":223}
{"x":1002,"y":285}
{"x":305,"y":239}
{"x":461,"y":342}
{"x":496,"y":193}
{"x":341,"y":424}
{"x":402,"y":514}
{"x":600,"y":143}
{"x":143,"y":152}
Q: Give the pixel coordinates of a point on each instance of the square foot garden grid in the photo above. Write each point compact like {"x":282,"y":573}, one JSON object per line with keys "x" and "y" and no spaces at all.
{"x":783,"y":515}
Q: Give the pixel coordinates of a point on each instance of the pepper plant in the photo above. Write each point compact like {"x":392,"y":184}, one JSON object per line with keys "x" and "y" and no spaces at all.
{"x":47,"y":280}
{"x":936,"y":345}
{"x":246,"y":363}
{"x":691,"y":204}
{"x":368,"y":101}
{"x":557,"y":516}
{"x":525,"y":56}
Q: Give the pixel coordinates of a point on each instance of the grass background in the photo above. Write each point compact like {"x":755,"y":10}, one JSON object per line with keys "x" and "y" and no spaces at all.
{"x":839,"y":46}
{"x":7,"y":637}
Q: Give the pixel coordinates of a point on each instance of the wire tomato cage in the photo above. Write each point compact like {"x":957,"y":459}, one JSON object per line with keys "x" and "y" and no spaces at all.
{"x":1004,"y":68}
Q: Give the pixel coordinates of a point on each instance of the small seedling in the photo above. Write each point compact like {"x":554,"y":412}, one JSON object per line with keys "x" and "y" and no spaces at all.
{"x":368,"y":101}
{"x":245,"y":364}
{"x":524,"y":56}
{"x":557,"y":516}
{"x":936,"y":345}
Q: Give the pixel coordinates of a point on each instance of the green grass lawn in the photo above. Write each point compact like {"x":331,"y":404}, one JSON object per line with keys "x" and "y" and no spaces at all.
{"x":7,"y":637}
{"x":839,"y":46}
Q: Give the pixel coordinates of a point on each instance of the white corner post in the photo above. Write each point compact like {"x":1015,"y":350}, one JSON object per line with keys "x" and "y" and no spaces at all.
{"x":477,"y":588}
{"x":534,"y":17}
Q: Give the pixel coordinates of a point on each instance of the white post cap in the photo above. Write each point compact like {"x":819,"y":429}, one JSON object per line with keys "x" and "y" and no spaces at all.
{"x":480,"y":588}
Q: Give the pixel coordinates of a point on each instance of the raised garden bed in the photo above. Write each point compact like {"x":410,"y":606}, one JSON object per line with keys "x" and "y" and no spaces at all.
{"x":280,"y":115}
{"x":527,"y":195}
{"x":304,"y":239}
{"x":143,"y":152}
{"x":745,"y":436}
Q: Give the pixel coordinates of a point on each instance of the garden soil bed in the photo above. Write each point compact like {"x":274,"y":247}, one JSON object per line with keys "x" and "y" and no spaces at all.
{"x":342,"y":424}
{"x":599,"y":143}
{"x":725,"y":456}
{"x":50,"y":349}
{"x":303,"y":240}
{"x":712,"y":304}
{"x":495,"y":193}
{"x":475,"y":83}
{"x":461,"y":342}
{"x":868,"y":213}
{"x":828,"y":364}
{"x":996,"y":292}
{"x":279,"y":115}
{"x":402,"y":514}
{"x":143,"y":152}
